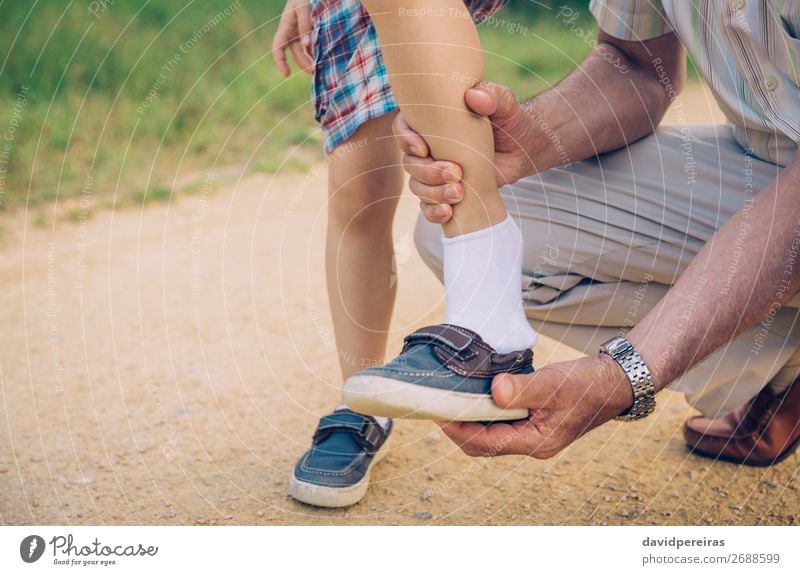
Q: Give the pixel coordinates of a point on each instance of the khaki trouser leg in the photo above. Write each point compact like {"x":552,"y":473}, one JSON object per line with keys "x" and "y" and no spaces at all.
{"x":605,"y":238}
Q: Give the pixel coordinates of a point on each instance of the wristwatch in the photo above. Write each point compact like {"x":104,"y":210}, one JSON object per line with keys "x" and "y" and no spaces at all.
{"x":644,"y":394}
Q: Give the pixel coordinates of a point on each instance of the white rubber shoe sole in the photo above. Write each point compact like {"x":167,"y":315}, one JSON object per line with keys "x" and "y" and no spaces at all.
{"x":323,"y":496}
{"x":375,"y":395}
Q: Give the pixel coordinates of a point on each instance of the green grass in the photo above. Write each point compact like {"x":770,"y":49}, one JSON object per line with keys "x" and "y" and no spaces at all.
{"x":89,"y":127}
{"x":534,"y":59}
{"x":88,"y":113}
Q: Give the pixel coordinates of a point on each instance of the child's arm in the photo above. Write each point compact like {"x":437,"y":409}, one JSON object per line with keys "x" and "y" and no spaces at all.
{"x":433,"y":55}
{"x":294,"y":33}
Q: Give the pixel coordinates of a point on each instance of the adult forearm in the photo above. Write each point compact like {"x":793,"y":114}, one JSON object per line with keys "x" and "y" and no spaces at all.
{"x":724,"y":292}
{"x":612,"y":99}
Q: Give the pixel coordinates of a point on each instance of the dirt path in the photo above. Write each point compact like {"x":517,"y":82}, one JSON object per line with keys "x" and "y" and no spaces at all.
{"x":168,"y":365}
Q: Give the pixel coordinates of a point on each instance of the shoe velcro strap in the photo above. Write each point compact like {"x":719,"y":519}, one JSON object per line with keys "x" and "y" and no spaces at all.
{"x":465,"y":353}
{"x":364,"y":429}
{"x":455,"y":340}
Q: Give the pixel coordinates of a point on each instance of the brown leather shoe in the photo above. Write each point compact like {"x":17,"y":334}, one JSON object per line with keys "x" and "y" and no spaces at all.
{"x":762,"y":432}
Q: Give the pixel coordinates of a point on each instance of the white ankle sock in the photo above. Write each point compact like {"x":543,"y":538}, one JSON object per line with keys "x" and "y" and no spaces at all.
{"x":482,"y":272}
{"x":384,"y":421}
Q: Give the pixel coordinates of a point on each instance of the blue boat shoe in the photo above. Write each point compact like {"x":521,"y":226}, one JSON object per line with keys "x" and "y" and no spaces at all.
{"x":444,"y":372}
{"x":335,"y":471}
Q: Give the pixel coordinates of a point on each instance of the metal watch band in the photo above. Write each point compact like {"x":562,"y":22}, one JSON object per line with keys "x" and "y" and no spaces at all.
{"x":644,"y":395}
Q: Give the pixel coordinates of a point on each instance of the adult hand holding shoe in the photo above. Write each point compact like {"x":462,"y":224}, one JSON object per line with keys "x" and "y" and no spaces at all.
{"x":566,"y":400}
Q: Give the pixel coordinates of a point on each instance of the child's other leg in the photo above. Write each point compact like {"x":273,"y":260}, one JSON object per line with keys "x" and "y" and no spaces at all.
{"x":365,"y":180}
{"x":432,"y":54}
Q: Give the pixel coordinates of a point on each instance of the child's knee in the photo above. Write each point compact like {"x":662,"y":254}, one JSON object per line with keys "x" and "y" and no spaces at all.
{"x":359,"y":209}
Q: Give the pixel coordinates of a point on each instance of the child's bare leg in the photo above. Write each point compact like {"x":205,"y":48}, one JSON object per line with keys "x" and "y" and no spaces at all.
{"x":364,"y":182}
{"x":433,"y":55}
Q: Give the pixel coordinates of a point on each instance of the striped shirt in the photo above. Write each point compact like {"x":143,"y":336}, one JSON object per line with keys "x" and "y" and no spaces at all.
{"x":747,"y":50}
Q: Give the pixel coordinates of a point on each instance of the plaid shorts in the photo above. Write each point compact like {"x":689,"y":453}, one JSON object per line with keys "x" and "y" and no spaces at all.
{"x":349,"y":83}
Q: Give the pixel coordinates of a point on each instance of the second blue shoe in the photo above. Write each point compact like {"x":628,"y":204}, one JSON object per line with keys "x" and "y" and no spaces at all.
{"x":335,"y":471}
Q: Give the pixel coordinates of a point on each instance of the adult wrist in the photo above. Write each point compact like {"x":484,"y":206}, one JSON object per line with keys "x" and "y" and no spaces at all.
{"x":620,"y":394}
{"x":628,"y":358}
{"x":544,"y":149}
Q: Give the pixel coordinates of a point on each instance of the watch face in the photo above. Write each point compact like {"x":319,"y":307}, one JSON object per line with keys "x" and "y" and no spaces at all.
{"x":614,"y":346}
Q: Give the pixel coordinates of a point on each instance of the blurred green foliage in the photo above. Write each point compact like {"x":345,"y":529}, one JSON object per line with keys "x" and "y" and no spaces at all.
{"x":112,"y":98}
